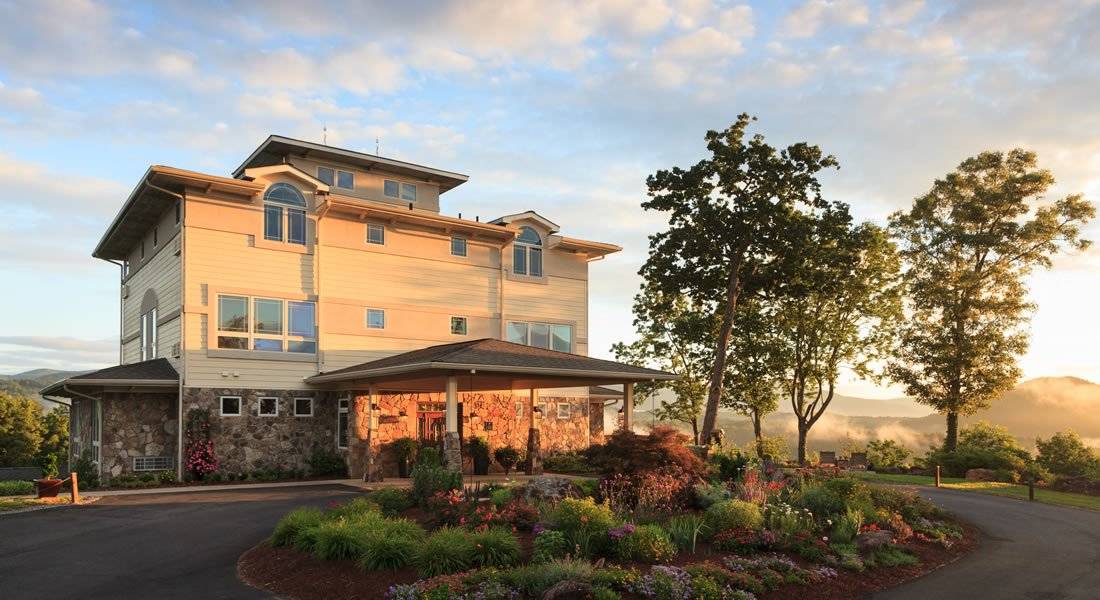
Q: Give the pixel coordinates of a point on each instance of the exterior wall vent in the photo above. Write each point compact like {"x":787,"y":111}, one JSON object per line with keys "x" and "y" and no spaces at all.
{"x":152,"y":463}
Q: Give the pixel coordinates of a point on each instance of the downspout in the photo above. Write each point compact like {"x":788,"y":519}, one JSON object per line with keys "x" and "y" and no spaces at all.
{"x":500,"y":299}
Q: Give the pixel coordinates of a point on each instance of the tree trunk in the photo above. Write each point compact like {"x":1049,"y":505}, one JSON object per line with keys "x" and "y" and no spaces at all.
{"x":695,"y":430}
{"x":802,"y":431}
{"x":733,"y":289}
{"x":951,"y":442}
{"x":757,"y":427}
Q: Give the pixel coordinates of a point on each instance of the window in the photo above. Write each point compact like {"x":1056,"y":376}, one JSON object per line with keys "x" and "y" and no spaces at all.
{"x":178,"y":209}
{"x":527,"y":253}
{"x":231,"y":406}
{"x":327,"y":175}
{"x":541,"y":335}
{"x":565,"y":410}
{"x":345,"y":180}
{"x":149,"y":335}
{"x":458,"y":246}
{"x":152,"y":463}
{"x":458,"y":325}
{"x":376,"y":318}
{"x":268,"y":406}
{"x":376,"y":233}
{"x":282,"y":197}
{"x":397,"y":189}
{"x":272,"y":325}
{"x":342,"y":423}
{"x":156,"y":237}
{"x":303,"y":407}
{"x":519,"y":409}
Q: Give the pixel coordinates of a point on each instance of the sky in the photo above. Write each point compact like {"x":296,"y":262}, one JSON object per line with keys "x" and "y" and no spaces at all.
{"x":559,"y":107}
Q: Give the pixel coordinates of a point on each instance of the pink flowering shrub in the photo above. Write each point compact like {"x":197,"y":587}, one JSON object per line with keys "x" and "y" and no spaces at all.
{"x":198,"y":453}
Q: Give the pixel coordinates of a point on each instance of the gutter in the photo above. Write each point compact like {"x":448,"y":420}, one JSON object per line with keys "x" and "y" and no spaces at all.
{"x":368,"y":373}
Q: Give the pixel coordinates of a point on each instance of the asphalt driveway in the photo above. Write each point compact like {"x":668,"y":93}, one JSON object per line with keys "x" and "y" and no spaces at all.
{"x":1029,"y":551}
{"x":149,"y":546}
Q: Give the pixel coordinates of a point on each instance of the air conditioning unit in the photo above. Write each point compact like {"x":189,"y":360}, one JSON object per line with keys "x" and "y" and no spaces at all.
{"x":176,"y":246}
{"x":125,"y":291}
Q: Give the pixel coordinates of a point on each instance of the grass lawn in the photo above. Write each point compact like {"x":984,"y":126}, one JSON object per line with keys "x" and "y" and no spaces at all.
{"x":10,"y":504}
{"x":1010,"y":490}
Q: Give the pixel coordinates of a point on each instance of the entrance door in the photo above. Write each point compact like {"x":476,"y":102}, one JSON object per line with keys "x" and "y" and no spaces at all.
{"x":430,"y":426}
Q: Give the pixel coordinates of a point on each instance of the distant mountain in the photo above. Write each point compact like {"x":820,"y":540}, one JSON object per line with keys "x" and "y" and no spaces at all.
{"x":28,"y":383}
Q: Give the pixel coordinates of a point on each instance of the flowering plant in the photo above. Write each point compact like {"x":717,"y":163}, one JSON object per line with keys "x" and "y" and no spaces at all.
{"x":742,"y":540}
{"x":198,"y":452}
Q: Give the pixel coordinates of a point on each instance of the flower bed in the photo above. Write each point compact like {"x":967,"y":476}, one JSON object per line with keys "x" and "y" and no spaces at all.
{"x":770,"y":535}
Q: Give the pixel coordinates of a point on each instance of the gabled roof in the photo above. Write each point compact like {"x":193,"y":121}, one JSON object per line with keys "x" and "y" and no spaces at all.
{"x":157,"y":372}
{"x":275,"y":147}
{"x":602,"y":391}
{"x":493,"y":356}
{"x":529,"y":214}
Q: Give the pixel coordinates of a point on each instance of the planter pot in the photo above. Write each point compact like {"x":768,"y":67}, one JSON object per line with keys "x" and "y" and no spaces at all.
{"x":481,"y":465}
{"x":403,"y":468}
{"x":47,"y":488}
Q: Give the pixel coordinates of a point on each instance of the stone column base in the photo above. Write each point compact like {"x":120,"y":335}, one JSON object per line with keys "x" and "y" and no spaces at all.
{"x":533,"y":463}
{"x":452,"y":451}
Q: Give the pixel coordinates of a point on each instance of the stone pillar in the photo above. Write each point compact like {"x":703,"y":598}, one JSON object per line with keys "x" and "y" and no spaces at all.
{"x":628,"y":406}
{"x":373,"y":471}
{"x":532,"y":465}
{"x":452,"y":445}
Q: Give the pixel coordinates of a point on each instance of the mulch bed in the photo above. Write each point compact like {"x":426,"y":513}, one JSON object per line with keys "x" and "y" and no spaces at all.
{"x":288,"y":573}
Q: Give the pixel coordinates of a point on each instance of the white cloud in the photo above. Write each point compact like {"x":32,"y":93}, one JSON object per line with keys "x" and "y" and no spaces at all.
{"x":701,"y":43}
{"x":900,"y":12}
{"x":806,"y":20}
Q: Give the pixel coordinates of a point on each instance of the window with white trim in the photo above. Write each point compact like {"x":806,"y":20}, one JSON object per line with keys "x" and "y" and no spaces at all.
{"x":551,"y":336}
{"x":266,"y":324}
{"x":458,"y":246}
{"x":303,"y":407}
{"x":230,"y":406}
{"x":527,"y":253}
{"x":267,"y":406}
{"x":399,"y":189}
{"x":149,"y":334}
{"x":376,"y":233}
{"x":565,"y":410}
{"x":458,"y":325}
{"x":283,"y":198}
{"x":376,"y":318}
{"x":342,"y":423}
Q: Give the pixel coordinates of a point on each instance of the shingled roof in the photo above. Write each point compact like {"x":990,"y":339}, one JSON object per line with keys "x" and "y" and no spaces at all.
{"x":154,"y":372}
{"x":497,"y":356}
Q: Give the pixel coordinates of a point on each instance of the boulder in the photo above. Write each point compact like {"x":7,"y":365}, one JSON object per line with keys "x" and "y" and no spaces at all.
{"x":870,"y":540}
{"x":981,"y":475}
{"x":569,"y":589}
{"x":549,"y":488}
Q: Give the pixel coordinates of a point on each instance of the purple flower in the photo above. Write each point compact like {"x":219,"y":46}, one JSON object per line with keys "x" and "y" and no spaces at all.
{"x":618,"y":533}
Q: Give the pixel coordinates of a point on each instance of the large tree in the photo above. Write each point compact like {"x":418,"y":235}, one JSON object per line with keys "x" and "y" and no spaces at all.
{"x":753,"y":369}
{"x":20,"y":430}
{"x":968,"y":244}
{"x":728,"y":218}
{"x":837,"y":309}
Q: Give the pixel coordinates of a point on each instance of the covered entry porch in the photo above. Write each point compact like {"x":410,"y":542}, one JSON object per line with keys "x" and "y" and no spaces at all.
{"x":449,"y":373}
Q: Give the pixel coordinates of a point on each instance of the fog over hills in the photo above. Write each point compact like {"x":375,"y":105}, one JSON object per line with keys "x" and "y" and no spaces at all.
{"x":28,"y":383}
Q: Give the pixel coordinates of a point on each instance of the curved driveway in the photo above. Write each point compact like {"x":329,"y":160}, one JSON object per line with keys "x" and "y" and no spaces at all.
{"x":1028,"y":551}
{"x":157,"y":546}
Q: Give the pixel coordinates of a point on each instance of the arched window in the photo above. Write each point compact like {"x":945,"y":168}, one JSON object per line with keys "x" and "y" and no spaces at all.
{"x":527,"y":253}
{"x":277,"y":197}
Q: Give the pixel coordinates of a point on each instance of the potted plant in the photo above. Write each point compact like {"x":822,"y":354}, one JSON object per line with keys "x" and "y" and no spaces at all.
{"x":507,"y":457}
{"x":405,"y":449}
{"x":479,"y":451}
{"x":49,"y":485}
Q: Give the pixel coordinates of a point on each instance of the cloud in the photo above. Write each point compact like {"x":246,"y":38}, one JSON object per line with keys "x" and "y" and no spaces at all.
{"x":806,"y":20}
{"x":18,"y":353}
{"x":900,"y":12}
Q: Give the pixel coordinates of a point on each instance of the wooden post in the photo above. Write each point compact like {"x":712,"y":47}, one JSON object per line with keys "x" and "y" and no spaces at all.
{"x":628,"y":406}
{"x":1031,"y":490}
{"x":937,"y":476}
{"x":75,"y":488}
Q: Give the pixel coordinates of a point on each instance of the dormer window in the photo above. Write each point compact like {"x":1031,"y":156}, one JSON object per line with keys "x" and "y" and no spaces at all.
{"x":335,"y":177}
{"x":399,"y":190}
{"x":527,"y":253}
{"x":280,"y":198}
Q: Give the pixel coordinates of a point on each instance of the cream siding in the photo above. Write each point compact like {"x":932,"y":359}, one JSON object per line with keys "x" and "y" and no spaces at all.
{"x":369,"y":186}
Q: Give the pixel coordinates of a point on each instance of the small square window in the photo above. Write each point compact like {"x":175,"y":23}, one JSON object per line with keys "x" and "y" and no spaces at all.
{"x":231,"y":406}
{"x":303,"y":407}
{"x":376,"y":234}
{"x":327,"y":175}
{"x":458,"y":325}
{"x":565,"y":410}
{"x":268,"y":407}
{"x":391,"y":189}
{"x":376,"y":318}
{"x":345,"y":180}
{"x":458,"y":246}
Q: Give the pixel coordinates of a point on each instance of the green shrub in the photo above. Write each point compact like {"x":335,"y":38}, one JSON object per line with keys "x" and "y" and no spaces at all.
{"x":305,"y":540}
{"x":847,"y":526}
{"x":648,"y":544}
{"x":733,"y":514}
{"x":588,"y":487}
{"x":339,"y":540}
{"x":533,"y":580}
{"x":288,"y":528}
{"x":568,"y":462}
{"x":387,"y":552}
{"x":405,"y":448}
{"x":602,"y":593}
{"x":886,"y":454}
{"x":87,"y":471}
{"x":429,"y":456}
{"x":446,"y":551}
{"x":584,"y":522}
{"x":550,"y":545}
{"x":728,"y":464}
{"x":405,"y":528}
{"x":890,"y":556}
{"x":506,"y":457}
{"x":16,"y":488}
{"x":392,"y":501}
{"x":495,"y":547}
{"x":1064,"y":453}
{"x":501,"y":496}
{"x":686,"y":531}
{"x":355,"y":507}
{"x":166,"y":477}
{"x":428,"y":479}
{"x":707,"y":494}
{"x":326,"y":462}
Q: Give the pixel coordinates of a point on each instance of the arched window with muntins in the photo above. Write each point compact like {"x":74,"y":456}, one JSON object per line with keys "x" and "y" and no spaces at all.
{"x":275,"y":198}
{"x":527,"y":253}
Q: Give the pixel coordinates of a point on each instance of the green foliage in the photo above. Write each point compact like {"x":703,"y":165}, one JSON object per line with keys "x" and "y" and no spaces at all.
{"x":567,"y":462}
{"x":1065,"y":454}
{"x":506,"y":457}
{"x":55,"y":432}
{"x":602,"y":593}
{"x":326,"y":462}
{"x":533,"y":580}
{"x":16,"y":488}
{"x":969,"y":244}
{"x":686,"y":530}
{"x":890,"y":556}
{"x":338,"y":539}
{"x":387,"y":552}
{"x":584,"y":523}
{"x":886,"y":454}
{"x":495,"y":547}
{"x":982,"y":446}
{"x":773,"y":447}
{"x":733,"y":514}
{"x":290,"y":526}
{"x":50,"y":466}
{"x":392,"y":501}
{"x":550,"y":545}
{"x":428,"y":479}
{"x":405,"y":448}
{"x":87,"y":472}
{"x":588,"y":487}
{"x":357,"y":507}
{"x":447,"y":550}
{"x":648,"y":544}
{"x":500,"y":496}
{"x":21,"y":430}
{"x":707,"y":494}
{"x":728,"y":463}
{"x":478,"y":447}
{"x":834,"y":497}
{"x":846,"y":526}
{"x":429,"y":456}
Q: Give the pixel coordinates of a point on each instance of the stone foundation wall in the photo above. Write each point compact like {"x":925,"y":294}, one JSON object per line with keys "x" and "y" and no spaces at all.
{"x":134,"y":424}
{"x":250,"y":442}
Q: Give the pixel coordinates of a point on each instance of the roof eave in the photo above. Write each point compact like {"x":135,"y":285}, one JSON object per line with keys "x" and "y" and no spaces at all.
{"x":449,"y":366}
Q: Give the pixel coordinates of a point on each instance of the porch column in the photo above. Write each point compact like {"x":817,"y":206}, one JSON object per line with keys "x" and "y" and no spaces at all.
{"x":532,"y":465}
{"x":372,"y":472}
{"x":452,"y":445}
{"x":628,"y":406}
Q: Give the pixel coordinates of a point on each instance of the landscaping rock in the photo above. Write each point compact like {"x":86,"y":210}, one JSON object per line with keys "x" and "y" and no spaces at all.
{"x":870,"y":540}
{"x":981,"y":475}
{"x":568,"y":590}
{"x":549,"y":488}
